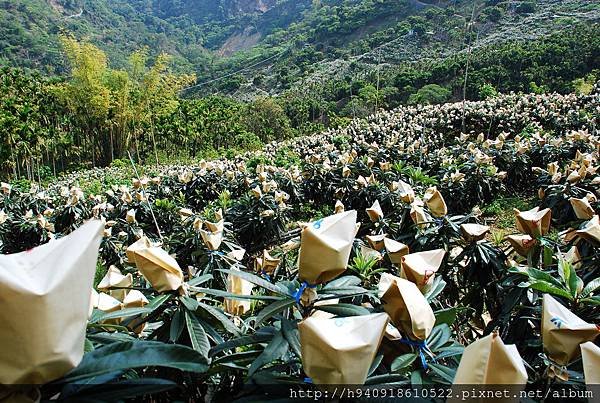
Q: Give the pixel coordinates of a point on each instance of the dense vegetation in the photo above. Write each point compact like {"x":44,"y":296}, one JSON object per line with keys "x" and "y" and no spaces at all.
{"x":100,"y":112}
{"x":415,"y":176}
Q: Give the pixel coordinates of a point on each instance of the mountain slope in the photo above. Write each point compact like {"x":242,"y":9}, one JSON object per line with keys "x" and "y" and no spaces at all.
{"x":253,"y":47}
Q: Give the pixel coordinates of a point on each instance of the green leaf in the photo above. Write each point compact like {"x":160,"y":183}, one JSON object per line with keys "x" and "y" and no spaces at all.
{"x":221,"y":317}
{"x":416,"y":378}
{"x":591,"y":287}
{"x":137,"y":354}
{"x":123,"y":313}
{"x":177,"y":325}
{"x":158,"y":301}
{"x":190,"y":303}
{"x":254,"y":279}
{"x":241,"y":341}
{"x":435,"y":289}
{"x":449,"y":351}
{"x":118,"y":391}
{"x":200,"y":279}
{"x":548,"y":254}
{"x":229,"y":295}
{"x":344,"y":309}
{"x":343,"y":282}
{"x":290,"y":332}
{"x":443,"y":372}
{"x":274,"y":350}
{"x":439,"y":336}
{"x":550,"y":289}
{"x":564,"y":270}
{"x":273,"y":309}
{"x":88,"y":346}
{"x":197,"y":334}
{"x":447,"y":316}
{"x":403,"y":362}
{"x":375,"y":364}
{"x":346,"y":291}
{"x":535,"y":275}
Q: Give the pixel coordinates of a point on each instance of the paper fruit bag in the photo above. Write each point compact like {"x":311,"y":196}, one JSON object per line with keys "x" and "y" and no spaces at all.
{"x":239,"y":286}
{"x":156,"y":265}
{"x":521,"y":243}
{"x":590,"y":355}
{"x":407,"y":307}
{"x":591,"y":230}
{"x":212,"y":240}
{"x":325,"y":247}
{"x":534,"y":222}
{"x":395,"y":250}
{"x":114,"y":278}
{"x":420,"y":267}
{"x":474,"y":232}
{"x":375,"y":213}
{"x":44,"y":306}
{"x":563,"y":331}
{"x":488,"y":361}
{"x":376,"y":241}
{"x":435,"y":202}
{"x":135,"y":299}
{"x":583,"y":209}
{"x":340,"y":350}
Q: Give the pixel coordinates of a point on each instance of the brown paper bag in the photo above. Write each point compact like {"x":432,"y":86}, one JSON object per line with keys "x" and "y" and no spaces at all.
{"x":574,"y":257}
{"x":325,"y":247}
{"x":215,"y":226}
{"x":534,"y":222}
{"x":114,"y":278}
{"x":435,"y":202}
{"x":590,"y":355}
{"x":340,"y":350}
{"x":407,"y":194}
{"x":375,"y":213}
{"x":239,"y":286}
{"x":419,"y":216}
{"x":563,"y":331}
{"x":522,"y":244}
{"x":395,"y":250}
{"x":420,"y":267}
{"x":212,"y":240}
{"x":591,"y":230}
{"x":44,"y":306}
{"x":407,"y":307}
{"x":376,"y":241}
{"x":488,"y":361}
{"x":156,"y":265}
{"x":583,"y":209}
{"x":266,"y":263}
{"x":474,"y":232}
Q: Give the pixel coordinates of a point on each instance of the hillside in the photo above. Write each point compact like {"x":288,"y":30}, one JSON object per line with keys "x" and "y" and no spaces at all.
{"x":271,"y":46}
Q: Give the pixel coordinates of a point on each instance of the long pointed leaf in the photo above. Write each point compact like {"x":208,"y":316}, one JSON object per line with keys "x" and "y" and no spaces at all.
{"x":273,"y":309}
{"x":138,"y":354}
{"x":197,"y":334}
